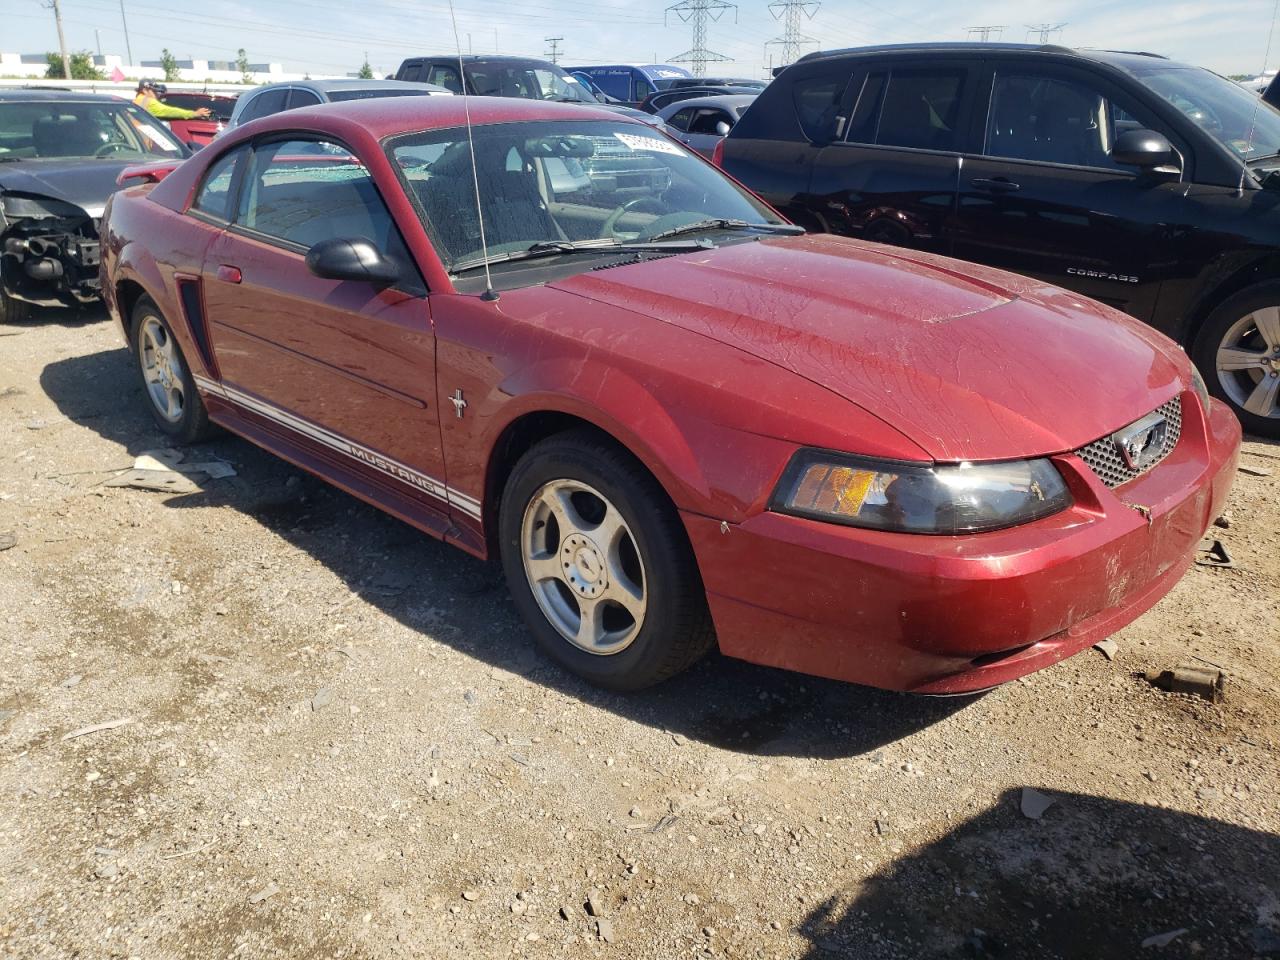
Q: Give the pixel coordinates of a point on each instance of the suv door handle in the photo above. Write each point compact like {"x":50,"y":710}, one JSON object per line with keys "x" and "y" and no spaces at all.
{"x":229,"y":274}
{"x":995,"y":186}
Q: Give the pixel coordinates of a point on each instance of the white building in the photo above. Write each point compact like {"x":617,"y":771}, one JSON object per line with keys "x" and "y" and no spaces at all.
{"x":34,"y":65}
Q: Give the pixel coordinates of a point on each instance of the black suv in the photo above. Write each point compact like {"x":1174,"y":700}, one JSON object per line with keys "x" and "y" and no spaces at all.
{"x":1146,"y":184}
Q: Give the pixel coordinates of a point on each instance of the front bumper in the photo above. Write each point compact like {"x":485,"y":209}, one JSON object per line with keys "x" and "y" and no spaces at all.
{"x":946,"y":615}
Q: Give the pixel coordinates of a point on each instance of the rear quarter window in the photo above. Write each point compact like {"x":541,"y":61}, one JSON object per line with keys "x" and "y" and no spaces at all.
{"x":817,"y":101}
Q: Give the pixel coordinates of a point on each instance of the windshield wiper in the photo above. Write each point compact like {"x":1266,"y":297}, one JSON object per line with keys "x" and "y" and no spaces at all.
{"x":556,"y":248}
{"x":724,"y":224}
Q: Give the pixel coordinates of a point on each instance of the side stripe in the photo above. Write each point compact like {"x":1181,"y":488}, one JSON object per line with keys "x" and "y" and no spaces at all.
{"x":392,"y":468}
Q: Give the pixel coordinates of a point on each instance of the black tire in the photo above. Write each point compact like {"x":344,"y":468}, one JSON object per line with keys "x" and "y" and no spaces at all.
{"x":1233,"y":387}
{"x":676,"y":629}
{"x":14,"y":311}
{"x":192,"y":424}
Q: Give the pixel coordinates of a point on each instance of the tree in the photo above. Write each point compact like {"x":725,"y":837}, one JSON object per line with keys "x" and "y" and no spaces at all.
{"x":82,"y":67}
{"x":366,"y":71}
{"x":242,"y":62}
{"x":169,"y":64}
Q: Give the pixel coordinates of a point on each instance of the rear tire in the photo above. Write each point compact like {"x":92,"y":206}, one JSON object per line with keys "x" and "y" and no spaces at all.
{"x":1238,"y":353}
{"x":599,"y":565}
{"x":167,"y":384}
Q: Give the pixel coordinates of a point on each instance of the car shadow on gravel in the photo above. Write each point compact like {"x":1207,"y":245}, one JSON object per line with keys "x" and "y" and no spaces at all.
{"x":461,"y":601}
{"x":1093,"y":879}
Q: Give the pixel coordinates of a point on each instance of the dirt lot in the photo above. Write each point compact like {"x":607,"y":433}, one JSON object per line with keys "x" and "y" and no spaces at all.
{"x":340,"y":743}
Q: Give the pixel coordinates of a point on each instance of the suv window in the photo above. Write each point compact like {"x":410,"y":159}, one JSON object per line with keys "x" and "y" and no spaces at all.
{"x":214,"y":197}
{"x":918,"y":108}
{"x":706,"y":120}
{"x":445,"y":76}
{"x":411,"y":72}
{"x":681,"y":119}
{"x":305,"y":191}
{"x":302,"y":98}
{"x":817,"y":101}
{"x":1053,"y":120}
{"x":265,"y":104}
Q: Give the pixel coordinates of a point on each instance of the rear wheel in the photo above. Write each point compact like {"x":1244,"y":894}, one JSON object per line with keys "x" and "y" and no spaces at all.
{"x":1238,"y":352}
{"x":599,"y":565}
{"x":166,"y":379}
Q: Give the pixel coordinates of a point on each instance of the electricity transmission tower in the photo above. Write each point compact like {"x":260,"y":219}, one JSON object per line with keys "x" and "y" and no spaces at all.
{"x":1044,"y":30}
{"x":790,"y":13}
{"x":700,"y":13}
{"x":554,"y":53}
{"x":985,"y":33}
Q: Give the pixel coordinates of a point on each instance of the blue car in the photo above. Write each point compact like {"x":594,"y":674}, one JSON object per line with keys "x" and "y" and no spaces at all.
{"x":630,"y":84}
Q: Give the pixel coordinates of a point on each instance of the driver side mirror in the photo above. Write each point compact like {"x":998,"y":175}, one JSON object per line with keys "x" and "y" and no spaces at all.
{"x":1146,"y":149}
{"x":723,"y":128}
{"x":351,"y":258}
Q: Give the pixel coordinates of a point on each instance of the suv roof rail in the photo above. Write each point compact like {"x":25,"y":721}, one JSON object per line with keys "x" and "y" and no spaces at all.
{"x":1131,"y":53}
{"x":931,"y":45}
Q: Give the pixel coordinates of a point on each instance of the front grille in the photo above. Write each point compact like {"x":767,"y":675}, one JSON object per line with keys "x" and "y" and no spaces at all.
{"x":1103,"y":455}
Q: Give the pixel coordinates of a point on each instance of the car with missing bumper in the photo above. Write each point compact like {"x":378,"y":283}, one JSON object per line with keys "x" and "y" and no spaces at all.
{"x":60,"y":154}
{"x":675,"y":420}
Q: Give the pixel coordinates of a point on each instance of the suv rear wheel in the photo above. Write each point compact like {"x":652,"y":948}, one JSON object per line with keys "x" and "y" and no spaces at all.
{"x":599,"y":565}
{"x":1238,"y":351}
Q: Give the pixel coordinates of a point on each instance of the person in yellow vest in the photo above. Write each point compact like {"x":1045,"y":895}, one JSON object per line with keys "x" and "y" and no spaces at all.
{"x":147,"y":99}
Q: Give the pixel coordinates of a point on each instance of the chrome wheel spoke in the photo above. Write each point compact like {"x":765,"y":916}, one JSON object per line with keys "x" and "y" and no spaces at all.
{"x":161,"y":369}
{"x":624,"y":593}
{"x":1267,"y":320}
{"x":1262,"y":401}
{"x":558,"y":502}
{"x":590,"y":624}
{"x":1238,"y":358}
{"x":544,"y":568}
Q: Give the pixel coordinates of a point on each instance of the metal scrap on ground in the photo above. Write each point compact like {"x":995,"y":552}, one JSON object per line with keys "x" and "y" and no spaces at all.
{"x":164,"y":470}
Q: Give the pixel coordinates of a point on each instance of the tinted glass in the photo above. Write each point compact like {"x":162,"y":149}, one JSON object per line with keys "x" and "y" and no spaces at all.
{"x":264,"y":104}
{"x":411,"y":72}
{"x":445,"y":76}
{"x":305,"y":191}
{"x":1050,"y":119}
{"x":214,"y":196}
{"x":706,"y":120}
{"x":680,"y":119}
{"x":920,"y":109}
{"x":35,"y":130}
{"x":337,"y":96}
{"x":302,"y":98}
{"x":817,"y":102}
{"x":528,"y":81}
{"x":552,"y":181}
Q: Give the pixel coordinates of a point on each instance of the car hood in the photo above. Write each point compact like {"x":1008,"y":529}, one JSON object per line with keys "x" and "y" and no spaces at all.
{"x":85,"y":183}
{"x":968,"y":362}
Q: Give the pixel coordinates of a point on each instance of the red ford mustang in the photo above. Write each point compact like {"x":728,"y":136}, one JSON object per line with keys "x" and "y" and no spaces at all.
{"x":676,"y":421}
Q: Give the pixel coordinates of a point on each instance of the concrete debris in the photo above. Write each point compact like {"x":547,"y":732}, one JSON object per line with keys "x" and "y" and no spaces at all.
{"x":595,"y":906}
{"x":266,"y":893}
{"x":1107,"y":648}
{"x":1034,"y":803}
{"x":71,"y":681}
{"x":1163,"y":939}
{"x":1201,"y":681}
{"x":604,"y":930}
{"x":94,"y":728}
{"x":322,"y":699}
{"x":471,"y":896}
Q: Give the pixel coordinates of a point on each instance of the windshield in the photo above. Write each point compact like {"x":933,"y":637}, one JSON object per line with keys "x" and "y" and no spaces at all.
{"x":560,"y":182}
{"x":1231,"y":114}
{"x":337,"y":96}
{"x":529,"y":81}
{"x":37,"y":130}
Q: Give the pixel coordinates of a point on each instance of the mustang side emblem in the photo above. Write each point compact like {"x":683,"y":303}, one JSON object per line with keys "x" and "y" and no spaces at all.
{"x":1142,"y":443}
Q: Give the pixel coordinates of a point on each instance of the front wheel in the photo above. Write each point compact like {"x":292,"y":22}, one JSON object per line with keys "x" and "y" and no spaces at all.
{"x":166,"y":379}
{"x":1238,"y":352}
{"x":599,"y":565}
{"x":13,"y":311}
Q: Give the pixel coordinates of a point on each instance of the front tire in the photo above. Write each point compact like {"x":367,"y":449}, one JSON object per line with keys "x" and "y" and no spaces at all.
{"x":14,"y":311}
{"x":167,"y":384}
{"x":1238,"y":353}
{"x":599,"y":565}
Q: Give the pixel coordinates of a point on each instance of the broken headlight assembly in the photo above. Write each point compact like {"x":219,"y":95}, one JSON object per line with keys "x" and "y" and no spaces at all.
{"x":918,"y":498}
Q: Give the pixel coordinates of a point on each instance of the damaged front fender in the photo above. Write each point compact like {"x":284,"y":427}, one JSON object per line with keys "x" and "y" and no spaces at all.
{"x":49,"y":251}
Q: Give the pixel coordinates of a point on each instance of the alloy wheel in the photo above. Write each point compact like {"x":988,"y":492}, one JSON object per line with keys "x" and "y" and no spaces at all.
{"x":584,"y":567}
{"x":1248,"y":362}
{"x":161,"y":369}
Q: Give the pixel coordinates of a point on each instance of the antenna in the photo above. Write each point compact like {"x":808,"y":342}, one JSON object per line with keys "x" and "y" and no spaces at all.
{"x":489,"y":292}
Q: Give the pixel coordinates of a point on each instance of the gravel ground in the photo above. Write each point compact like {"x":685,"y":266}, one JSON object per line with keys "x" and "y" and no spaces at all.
{"x":336,"y":740}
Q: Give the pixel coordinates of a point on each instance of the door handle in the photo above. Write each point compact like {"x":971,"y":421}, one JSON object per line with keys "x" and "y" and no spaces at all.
{"x":229,"y":274}
{"x":995,"y":186}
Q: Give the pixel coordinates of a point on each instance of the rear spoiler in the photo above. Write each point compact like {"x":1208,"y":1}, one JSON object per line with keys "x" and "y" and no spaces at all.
{"x":147,"y":172}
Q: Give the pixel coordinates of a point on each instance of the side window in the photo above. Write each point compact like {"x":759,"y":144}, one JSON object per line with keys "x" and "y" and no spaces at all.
{"x":680,"y":120}
{"x":265,"y":104}
{"x":301,"y":98}
{"x":817,"y":101}
{"x":920,"y":109}
{"x":1053,"y":120}
{"x":214,"y":196}
{"x":706,"y":120}
{"x":412,"y":72}
{"x":445,"y":76}
{"x":866,"y":112}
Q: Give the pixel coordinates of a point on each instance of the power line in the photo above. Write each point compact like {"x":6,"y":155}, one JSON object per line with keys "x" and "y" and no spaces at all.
{"x":1044,"y":30}
{"x":700,"y":13}
{"x":554,"y":53}
{"x":792,"y":40}
{"x":984,"y":33}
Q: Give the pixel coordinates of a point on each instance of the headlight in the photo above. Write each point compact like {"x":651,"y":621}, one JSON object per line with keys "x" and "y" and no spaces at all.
{"x":884,"y":495}
{"x":1202,"y":392}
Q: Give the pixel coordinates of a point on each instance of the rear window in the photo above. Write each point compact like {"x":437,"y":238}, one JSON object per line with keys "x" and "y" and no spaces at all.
{"x":817,"y":102}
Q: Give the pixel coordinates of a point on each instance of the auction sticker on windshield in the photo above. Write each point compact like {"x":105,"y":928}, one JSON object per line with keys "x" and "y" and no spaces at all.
{"x":652,"y":144}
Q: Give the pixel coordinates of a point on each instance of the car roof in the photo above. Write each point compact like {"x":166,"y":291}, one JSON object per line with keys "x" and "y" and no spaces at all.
{"x":333,"y":86}
{"x":40,"y":94}
{"x":390,"y":116}
{"x":481,"y":58}
{"x":1127,"y":59}
{"x":723,"y":100}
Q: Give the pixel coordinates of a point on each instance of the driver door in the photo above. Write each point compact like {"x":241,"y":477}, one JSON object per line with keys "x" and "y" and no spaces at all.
{"x":342,"y":370}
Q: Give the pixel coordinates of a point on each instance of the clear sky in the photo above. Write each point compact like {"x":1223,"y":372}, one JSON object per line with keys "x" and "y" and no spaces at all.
{"x":332,"y":37}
